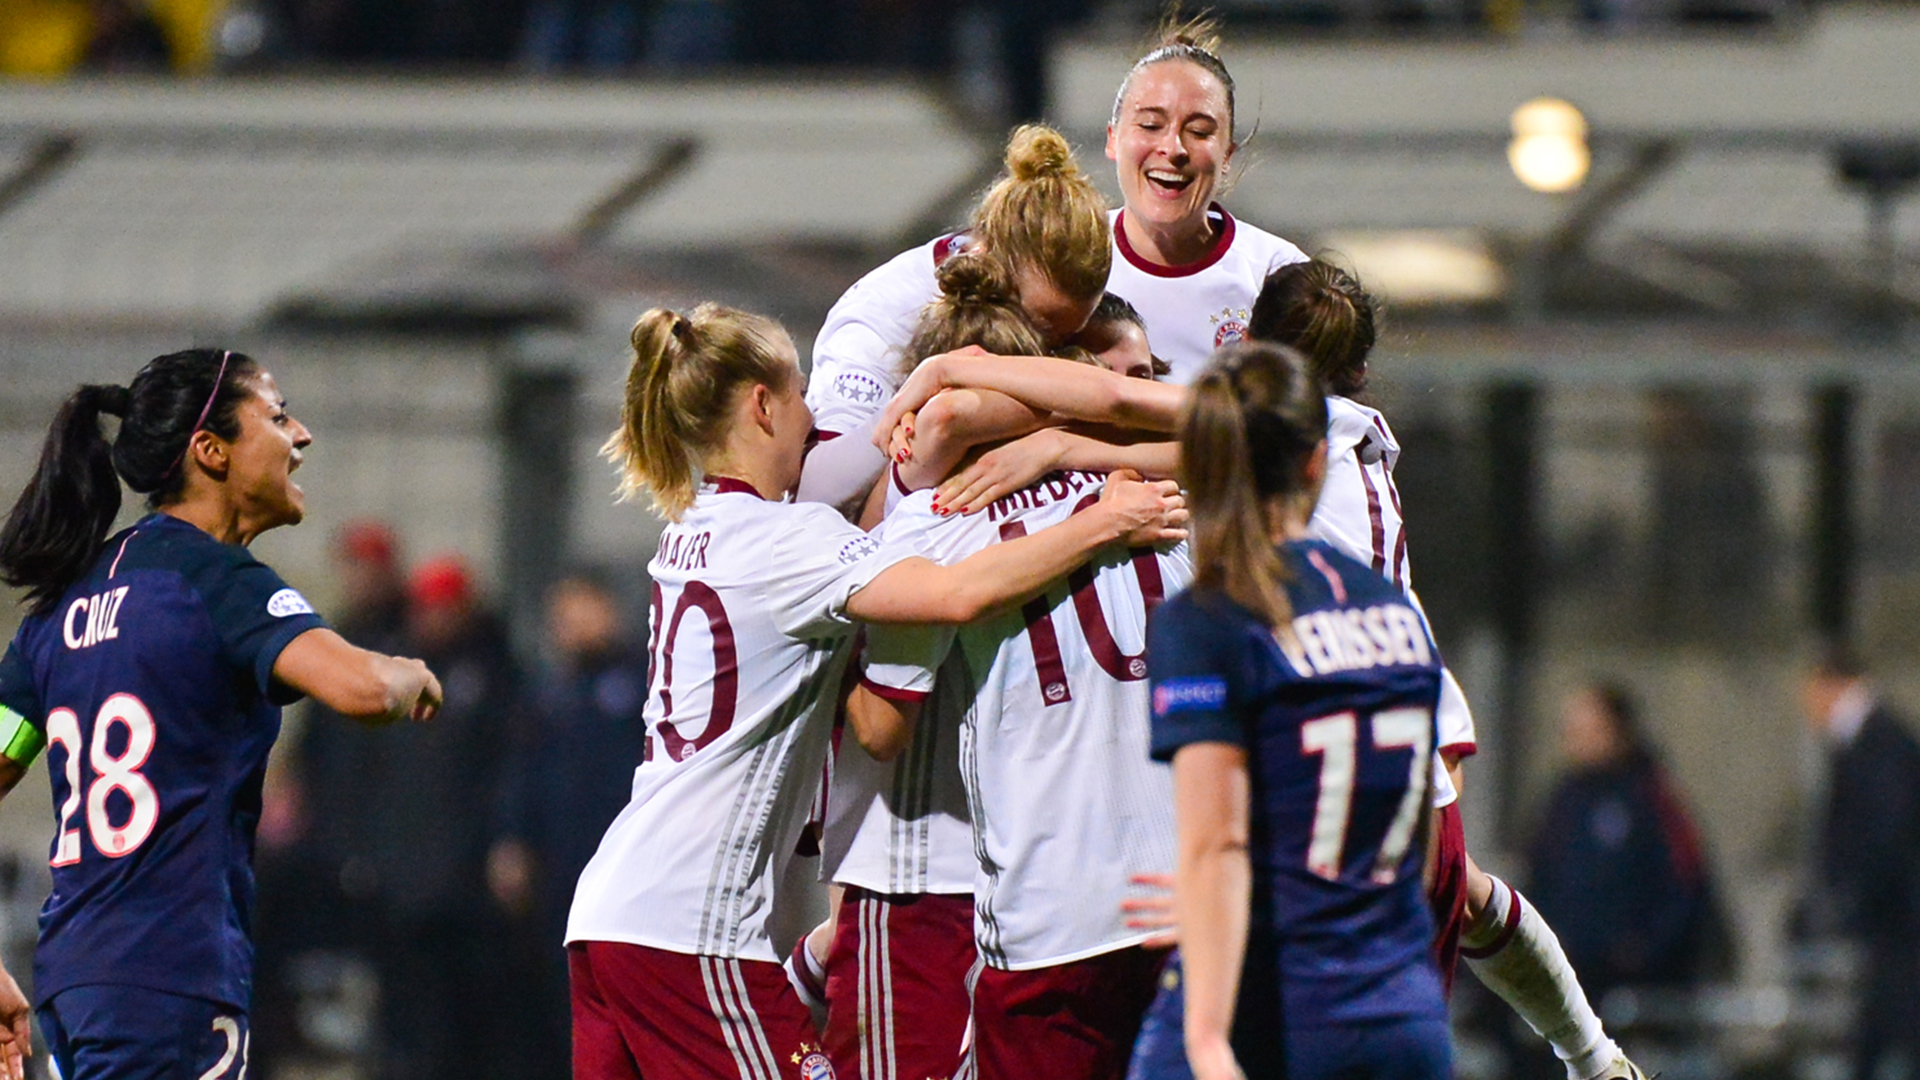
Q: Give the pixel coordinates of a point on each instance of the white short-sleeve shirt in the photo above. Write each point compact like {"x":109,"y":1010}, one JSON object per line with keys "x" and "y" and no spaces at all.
{"x":1192,"y":310}
{"x":749,"y":637}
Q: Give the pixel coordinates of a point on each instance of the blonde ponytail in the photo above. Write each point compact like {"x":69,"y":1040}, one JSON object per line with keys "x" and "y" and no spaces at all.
{"x":680,"y":389}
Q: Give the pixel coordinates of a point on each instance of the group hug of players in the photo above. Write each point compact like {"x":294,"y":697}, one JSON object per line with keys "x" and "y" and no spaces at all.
{"x":1064,"y":608}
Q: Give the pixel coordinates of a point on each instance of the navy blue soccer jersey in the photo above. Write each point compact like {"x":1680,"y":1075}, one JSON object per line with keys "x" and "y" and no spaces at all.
{"x":152,"y":685}
{"x":1338,"y":725}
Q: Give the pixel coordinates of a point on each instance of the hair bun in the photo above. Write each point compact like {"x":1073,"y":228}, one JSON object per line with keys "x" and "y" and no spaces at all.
{"x":1037,"y":152}
{"x":972,"y":279}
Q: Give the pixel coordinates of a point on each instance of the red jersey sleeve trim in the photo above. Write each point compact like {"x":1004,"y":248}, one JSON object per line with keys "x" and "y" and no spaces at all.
{"x":894,"y":693}
{"x":1460,"y":749}
{"x":1147,"y":266}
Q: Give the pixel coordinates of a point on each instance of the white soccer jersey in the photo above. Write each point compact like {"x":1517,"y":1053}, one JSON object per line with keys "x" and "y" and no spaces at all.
{"x":901,"y":827}
{"x":1067,"y":805}
{"x":1192,"y":310}
{"x":857,"y":355}
{"x":1359,"y":513}
{"x":749,"y":639}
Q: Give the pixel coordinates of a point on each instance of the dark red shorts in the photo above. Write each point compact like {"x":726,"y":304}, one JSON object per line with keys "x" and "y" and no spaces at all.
{"x":1074,"y":1021}
{"x":650,"y":1014}
{"x":897,"y":1001}
{"x":1448,"y":896}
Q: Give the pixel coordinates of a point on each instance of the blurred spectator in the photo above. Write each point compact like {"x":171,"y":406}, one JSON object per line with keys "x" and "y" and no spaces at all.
{"x":576,"y":745}
{"x":1617,"y":866}
{"x":1867,"y":867}
{"x":450,"y":1006}
{"x":126,"y":37}
{"x":596,"y":35}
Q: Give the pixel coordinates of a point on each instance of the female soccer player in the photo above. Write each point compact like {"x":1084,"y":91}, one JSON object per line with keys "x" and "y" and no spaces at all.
{"x":898,"y":834}
{"x":1043,"y":222}
{"x":1187,"y":264}
{"x":1294,"y":692}
{"x":754,"y":605}
{"x":156,"y":663}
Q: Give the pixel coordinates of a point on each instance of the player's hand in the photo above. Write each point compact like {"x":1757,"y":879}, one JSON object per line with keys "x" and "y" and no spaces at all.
{"x":428,"y":703}
{"x":1153,"y":912}
{"x":1212,"y":1059}
{"x":1001,"y":471}
{"x":928,"y":379}
{"x":16,"y":1028}
{"x":413,"y":691}
{"x":900,"y":445}
{"x":1149,"y":511}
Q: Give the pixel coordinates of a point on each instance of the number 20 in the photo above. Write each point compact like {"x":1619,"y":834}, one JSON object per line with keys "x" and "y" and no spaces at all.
{"x":110,"y":774}
{"x":1335,"y":738}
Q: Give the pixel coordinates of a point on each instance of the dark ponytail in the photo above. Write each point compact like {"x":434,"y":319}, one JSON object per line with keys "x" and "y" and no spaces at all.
{"x":1251,"y":423}
{"x":60,"y":521}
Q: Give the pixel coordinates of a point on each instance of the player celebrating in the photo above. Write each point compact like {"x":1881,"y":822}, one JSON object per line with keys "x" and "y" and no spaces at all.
{"x":753,"y":606}
{"x":1301,"y":771}
{"x":156,"y":663}
{"x":1066,"y":809}
{"x":898,"y":836}
{"x":1042,"y":222}
{"x":1187,"y":264}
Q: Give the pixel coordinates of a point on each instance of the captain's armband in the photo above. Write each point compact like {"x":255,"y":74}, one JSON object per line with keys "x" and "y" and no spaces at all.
{"x":20,"y":741}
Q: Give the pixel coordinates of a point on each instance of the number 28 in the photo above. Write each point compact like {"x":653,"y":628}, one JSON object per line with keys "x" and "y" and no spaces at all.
{"x":111,"y":773}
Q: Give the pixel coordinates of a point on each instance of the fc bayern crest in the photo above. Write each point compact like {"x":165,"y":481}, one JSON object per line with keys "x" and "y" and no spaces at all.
{"x":1229,"y":326}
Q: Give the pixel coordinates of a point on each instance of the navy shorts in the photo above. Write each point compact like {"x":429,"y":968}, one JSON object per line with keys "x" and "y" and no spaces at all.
{"x":1409,"y":1049}
{"x":129,"y":1033}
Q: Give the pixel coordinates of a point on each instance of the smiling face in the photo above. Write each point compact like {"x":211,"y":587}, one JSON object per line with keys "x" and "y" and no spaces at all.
{"x":1121,"y":347}
{"x":1171,"y":142}
{"x":261,"y":461}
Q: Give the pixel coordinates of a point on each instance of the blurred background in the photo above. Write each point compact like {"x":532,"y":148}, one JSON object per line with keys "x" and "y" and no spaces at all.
{"x":1652,"y":359}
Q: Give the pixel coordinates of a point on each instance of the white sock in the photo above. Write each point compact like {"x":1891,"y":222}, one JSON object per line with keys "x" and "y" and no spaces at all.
{"x":1513,"y":951}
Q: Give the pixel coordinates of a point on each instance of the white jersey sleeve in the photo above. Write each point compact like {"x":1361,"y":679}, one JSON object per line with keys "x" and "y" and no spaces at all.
{"x":1190,"y":311}
{"x":749,"y":640}
{"x":857,"y":355}
{"x":857,"y":369}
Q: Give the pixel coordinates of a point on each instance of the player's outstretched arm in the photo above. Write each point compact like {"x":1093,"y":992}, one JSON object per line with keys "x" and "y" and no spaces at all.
{"x":1080,"y":391}
{"x":1213,"y":891}
{"x":357,"y":682}
{"x":1006,"y":469}
{"x":921,"y":591}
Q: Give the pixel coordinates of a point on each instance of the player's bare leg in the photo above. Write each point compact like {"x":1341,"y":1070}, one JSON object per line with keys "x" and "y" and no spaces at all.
{"x":1514,"y":952}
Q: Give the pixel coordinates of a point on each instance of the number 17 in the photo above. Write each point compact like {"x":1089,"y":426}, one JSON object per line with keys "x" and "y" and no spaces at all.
{"x":1335,"y":739}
